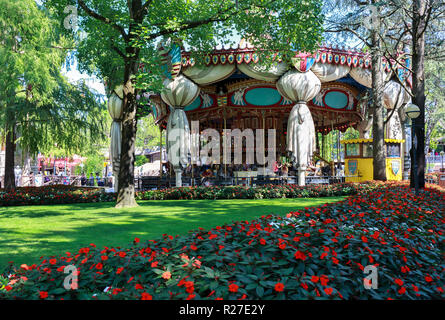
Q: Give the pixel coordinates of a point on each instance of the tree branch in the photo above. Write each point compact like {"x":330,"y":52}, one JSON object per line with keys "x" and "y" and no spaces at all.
{"x":145,"y":5}
{"x":105,"y":20}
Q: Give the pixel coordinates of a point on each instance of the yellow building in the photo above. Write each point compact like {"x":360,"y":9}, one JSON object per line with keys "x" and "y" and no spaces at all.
{"x":359,"y":162}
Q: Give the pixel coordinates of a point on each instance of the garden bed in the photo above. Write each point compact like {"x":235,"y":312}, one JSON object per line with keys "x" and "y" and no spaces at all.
{"x":314,"y":253}
{"x":65,"y":194}
{"x":57,"y":194}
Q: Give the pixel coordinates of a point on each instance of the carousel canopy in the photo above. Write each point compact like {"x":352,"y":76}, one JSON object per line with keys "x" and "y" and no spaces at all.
{"x":235,"y":85}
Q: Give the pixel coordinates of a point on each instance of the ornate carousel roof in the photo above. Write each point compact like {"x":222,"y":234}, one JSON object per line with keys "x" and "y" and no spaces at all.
{"x":233,"y":83}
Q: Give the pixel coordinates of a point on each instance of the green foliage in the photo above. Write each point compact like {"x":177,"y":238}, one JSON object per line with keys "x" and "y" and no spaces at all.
{"x":148,"y":134}
{"x":37,"y":101}
{"x":115,"y":37}
{"x":59,"y":194}
{"x":435,"y":102}
{"x":140,"y":160}
{"x":257,"y":192}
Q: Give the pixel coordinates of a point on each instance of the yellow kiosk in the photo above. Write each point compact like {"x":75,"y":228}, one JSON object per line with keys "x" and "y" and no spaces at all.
{"x":358,"y":159}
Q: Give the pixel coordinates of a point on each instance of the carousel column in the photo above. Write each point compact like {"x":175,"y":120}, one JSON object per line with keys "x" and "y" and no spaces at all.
{"x":178,"y":94}
{"x":115,"y":109}
{"x":300,"y":87}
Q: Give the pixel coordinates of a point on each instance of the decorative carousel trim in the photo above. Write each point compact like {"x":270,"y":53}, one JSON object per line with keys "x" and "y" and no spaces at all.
{"x":370,"y":140}
{"x":302,"y":60}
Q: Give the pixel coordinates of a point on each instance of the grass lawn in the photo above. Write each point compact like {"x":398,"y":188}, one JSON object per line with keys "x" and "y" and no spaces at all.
{"x":28,"y":232}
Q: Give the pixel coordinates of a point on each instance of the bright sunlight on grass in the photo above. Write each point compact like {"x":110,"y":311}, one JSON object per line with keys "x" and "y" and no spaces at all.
{"x":28,"y":232}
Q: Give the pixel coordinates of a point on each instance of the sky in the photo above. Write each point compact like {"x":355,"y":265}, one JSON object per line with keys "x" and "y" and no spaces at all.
{"x":74,"y":75}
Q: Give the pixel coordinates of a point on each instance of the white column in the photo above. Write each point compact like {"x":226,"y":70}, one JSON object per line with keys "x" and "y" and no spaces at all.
{"x":178,"y":173}
{"x":302,"y":176}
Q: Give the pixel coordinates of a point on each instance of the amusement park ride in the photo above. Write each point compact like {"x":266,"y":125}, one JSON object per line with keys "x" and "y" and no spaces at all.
{"x":315,"y":93}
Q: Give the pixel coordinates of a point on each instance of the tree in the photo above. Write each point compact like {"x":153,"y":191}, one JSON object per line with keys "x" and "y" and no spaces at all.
{"x":39,"y":105}
{"x":122,"y":36}
{"x":352,"y":25}
{"x":148,"y":134}
{"x":399,"y":23}
{"x":435,"y":102}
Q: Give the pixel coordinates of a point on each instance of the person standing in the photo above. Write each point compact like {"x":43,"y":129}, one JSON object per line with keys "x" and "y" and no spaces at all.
{"x":91,"y":180}
{"x":83,"y":180}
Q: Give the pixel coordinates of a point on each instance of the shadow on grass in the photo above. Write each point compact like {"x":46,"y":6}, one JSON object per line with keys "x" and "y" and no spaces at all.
{"x":106,"y":226}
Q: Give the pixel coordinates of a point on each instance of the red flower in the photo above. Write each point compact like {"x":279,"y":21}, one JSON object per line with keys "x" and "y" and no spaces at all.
{"x":364,"y":239}
{"x":119,"y":270}
{"x":399,"y":282}
{"x":190,"y":289}
{"x":324,"y":280}
{"x":262,"y":241}
{"x":146,"y":296}
{"x":300,"y":255}
{"x":154,"y":264}
{"x":43,"y":294}
{"x":402,"y":290}
{"x":99,"y":266}
{"x":137,"y":240}
{"x":314,"y":279}
{"x":233,"y":287}
{"x":279,"y":287}
{"x":304,"y":286}
{"x":328,"y":291}
{"x":428,"y":279}
{"x":122,"y":254}
{"x":138,"y":286}
{"x":53,"y":261}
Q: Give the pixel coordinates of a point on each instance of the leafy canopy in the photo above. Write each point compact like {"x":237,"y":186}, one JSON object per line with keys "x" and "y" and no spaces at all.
{"x":121,"y":32}
{"x":37,"y":101}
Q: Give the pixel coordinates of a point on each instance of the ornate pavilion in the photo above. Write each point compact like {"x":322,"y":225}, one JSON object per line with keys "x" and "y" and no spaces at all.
{"x":319,"y":92}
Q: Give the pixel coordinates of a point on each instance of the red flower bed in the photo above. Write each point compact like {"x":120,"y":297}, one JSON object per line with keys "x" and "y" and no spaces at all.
{"x":57,"y":194}
{"x":314,"y":253}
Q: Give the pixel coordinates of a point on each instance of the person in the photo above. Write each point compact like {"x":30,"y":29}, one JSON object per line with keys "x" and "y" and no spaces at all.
{"x":83,"y":180}
{"x":284,"y":169}
{"x":91,"y":180}
{"x":205,"y":177}
{"x":98,"y":180}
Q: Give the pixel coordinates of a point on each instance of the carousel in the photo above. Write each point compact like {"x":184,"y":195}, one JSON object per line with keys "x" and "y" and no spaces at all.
{"x":315,"y":93}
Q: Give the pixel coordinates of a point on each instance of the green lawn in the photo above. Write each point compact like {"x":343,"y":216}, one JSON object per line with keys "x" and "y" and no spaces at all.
{"x":28,"y":232}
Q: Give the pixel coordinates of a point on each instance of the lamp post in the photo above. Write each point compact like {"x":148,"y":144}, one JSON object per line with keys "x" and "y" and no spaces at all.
{"x":413,"y":111}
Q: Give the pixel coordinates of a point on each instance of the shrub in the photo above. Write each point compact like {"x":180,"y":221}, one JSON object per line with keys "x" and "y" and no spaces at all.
{"x":58,"y":194}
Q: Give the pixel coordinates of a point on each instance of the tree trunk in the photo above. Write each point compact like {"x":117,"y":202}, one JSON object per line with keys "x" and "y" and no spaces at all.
{"x":378,"y":125}
{"x":9,"y":159}
{"x":419,"y":24}
{"x":126,"y":191}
